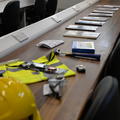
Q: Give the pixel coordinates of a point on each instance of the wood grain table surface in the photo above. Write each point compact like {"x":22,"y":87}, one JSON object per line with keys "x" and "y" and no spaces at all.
{"x":80,"y":86}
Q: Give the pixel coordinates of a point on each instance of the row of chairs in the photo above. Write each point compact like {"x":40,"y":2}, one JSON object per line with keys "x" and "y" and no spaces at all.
{"x":113,"y":62}
{"x":12,"y":15}
{"x":41,"y":10}
{"x":10,"y":18}
{"x":104,"y":103}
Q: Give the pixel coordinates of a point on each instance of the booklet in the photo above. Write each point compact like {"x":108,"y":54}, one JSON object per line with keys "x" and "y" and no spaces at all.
{"x":81,"y":34}
{"x":103,"y":11}
{"x":81,"y":28}
{"x":102,"y":19}
{"x":86,"y":22}
{"x":100,"y":15}
{"x":109,"y":9}
{"x":83,"y":47}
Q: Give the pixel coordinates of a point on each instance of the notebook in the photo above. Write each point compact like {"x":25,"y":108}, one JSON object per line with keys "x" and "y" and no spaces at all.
{"x":102,"y":19}
{"x":83,"y":47}
{"x":109,"y":9}
{"x":100,"y":15}
{"x":103,"y":11}
{"x":81,"y":28}
{"x":86,"y":22}
{"x":81,"y":34}
{"x":49,"y":43}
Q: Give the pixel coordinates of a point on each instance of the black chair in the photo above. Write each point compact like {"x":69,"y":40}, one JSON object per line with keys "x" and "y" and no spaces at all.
{"x":104,"y":102}
{"x":37,"y":12}
{"x":51,"y":6}
{"x":10,"y":18}
{"x":113,"y":63}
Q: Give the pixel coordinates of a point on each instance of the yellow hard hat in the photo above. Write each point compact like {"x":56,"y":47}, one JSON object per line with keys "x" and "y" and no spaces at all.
{"x":16,"y":101}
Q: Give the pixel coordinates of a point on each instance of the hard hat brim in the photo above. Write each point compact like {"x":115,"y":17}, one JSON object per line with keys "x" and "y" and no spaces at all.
{"x":37,"y":115}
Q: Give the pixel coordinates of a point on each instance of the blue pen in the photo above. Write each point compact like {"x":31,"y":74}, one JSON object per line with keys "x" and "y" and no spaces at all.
{"x":80,"y":55}
{"x":87,"y":56}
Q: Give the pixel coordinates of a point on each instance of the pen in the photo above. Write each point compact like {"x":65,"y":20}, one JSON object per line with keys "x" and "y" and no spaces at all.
{"x":87,"y":56}
{"x":79,"y":55}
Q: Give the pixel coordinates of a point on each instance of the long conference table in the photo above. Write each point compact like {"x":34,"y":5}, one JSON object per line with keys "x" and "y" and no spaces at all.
{"x":80,"y":86}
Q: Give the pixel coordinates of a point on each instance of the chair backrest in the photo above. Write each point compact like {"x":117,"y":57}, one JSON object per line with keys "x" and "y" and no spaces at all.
{"x":11,"y":17}
{"x":105,"y":103}
{"x":51,"y":6}
{"x":39,"y":10}
{"x":113,"y":63}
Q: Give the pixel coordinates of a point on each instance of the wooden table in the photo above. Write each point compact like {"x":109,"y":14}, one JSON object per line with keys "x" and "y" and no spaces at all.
{"x":79,"y":87}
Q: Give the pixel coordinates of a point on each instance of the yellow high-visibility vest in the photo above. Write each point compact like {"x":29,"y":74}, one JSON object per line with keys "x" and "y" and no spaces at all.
{"x":30,"y":76}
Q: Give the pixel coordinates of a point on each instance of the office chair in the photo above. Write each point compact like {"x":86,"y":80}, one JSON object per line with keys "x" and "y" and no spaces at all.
{"x":10,"y":18}
{"x":113,"y":63}
{"x":37,"y":12}
{"x":105,"y":101}
{"x":51,"y":6}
